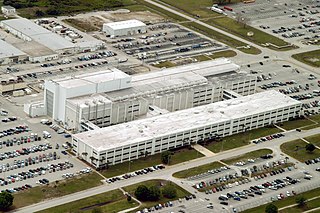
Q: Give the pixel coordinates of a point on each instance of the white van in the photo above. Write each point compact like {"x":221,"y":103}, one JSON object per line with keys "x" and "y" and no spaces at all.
{"x":46,"y":134}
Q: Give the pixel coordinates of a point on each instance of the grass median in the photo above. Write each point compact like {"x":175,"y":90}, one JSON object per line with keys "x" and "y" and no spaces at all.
{"x":56,"y":189}
{"x":286,"y":202}
{"x":179,"y":156}
{"x":250,"y":155}
{"x":297,"y":123}
{"x":112,"y":201}
{"x":240,"y":139}
{"x":311,"y":58}
{"x":312,"y":204}
{"x":197,"y":170}
{"x":297,"y":150}
{"x":314,"y":139}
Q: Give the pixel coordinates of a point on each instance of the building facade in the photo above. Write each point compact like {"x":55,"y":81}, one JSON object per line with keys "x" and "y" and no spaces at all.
{"x":124,"y":28}
{"x":132,"y":140}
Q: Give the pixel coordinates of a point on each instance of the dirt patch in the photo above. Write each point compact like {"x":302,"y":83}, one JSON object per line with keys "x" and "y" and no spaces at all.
{"x":89,"y":24}
{"x":144,"y":16}
{"x":313,"y":59}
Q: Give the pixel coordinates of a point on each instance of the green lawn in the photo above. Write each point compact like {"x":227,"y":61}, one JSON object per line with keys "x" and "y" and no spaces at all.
{"x":179,"y":156}
{"x":197,"y":170}
{"x":286,"y":202}
{"x":166,"y":64}
{"x":250,"y":155}
{"x":315,"y":139}
{"x":259,"y":37}
{"x":112,"y":201}
{"x":296,"y":149}
{"x":64,"y":187}
{"x":81,"y":25}
{"x":205,"y":57}
{"x":221,"y":37}
{"x":298,"y":123}
{"x":315,"y":118}
{"x":180,"y":191}
{"x":240,"y":139}
{"x":312,"y":58}
{"x":310,"y":205}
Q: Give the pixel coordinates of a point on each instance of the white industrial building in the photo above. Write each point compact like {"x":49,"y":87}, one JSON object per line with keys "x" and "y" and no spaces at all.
{"x":131,"y":140}
{"x":124,"y":28}
{"x":81,"y":102}
{"x":8,"y":10}
{"x":10,"y":54}
{"x":27,"y":30}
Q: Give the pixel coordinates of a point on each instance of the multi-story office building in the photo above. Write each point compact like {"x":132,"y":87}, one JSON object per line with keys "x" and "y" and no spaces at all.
{"x":131,"y":140}
{"x":162,"y":91}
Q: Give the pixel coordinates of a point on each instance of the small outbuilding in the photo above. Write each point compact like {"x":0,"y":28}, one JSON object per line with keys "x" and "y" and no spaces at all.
{"x":124,"y":28}
{"x":8,"y":10}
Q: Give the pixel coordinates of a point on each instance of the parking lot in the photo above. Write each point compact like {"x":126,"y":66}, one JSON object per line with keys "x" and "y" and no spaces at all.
{"x":297,"y":83}
{"x":163,"y":41}
{"x":296,"y":21}
{"x":27,"y":158}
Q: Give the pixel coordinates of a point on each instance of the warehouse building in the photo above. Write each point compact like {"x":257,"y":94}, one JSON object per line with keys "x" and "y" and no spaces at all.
{"x":10,"y":54}
{"x":8,"y":10}
{"x":124,"y":142}
{"x":141,"y":95}
{"x":124,"y":28}
{"x":12,"y":86}
{"x":29,"y":31}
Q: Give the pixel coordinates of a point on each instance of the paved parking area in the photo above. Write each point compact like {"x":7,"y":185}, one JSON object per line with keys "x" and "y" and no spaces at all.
{"x":35,"y":127}
{"x":297,"y":83}
{"x":164,"y":41}
{"x":296,"y":21}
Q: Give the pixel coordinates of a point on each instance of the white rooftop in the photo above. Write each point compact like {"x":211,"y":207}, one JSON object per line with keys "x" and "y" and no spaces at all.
{"x":7,"y":50}
{"x":83,"y":100}
{"x":125,"y":24}
{"x":139,"y":130}
{"x":91,"y":78}
{"x":39,"y":34}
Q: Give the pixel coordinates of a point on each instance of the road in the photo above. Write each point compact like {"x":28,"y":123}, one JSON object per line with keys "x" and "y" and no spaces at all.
{"x":167,"y":173}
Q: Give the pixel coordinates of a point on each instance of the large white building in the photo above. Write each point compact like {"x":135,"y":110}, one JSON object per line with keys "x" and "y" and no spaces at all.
{"x":131,"y":140}
{"x":124,"y":28}
{"x":29,"y":31}
{"x":79,"y":103}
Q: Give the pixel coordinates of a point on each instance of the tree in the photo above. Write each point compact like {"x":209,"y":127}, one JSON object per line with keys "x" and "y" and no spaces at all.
{"x":154,"y":193}
{"x":301,"y":201}
{"x":169,"y":191}
{"x":165,"y":157}
{"x":6,"y":200}
{"x":129,"y":198}
{"x":142,"y":193}
{"x":310,"y":147}
{"x":39,"y":13}
{"x":271,"y":208}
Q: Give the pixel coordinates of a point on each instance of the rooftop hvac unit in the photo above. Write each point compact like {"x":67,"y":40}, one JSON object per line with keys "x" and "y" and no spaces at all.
{"x":86,"y":103}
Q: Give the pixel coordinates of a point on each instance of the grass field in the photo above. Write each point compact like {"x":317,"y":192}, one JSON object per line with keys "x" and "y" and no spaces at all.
{"x":296,"y":149}
{"x":315,"y":118}
{"x":286,"y":202}
{"x":40,"y":193}
{"x":240,"y":139}
{"x":298,"y":123}
{"x":310,"y":205}
{"x":250,"y":155}
{"x":180,"y":191}
{"x":226,"y":54}
{"x":197,"y":170}
{"x":222,"y":38}
{"x":315,"y":139}
{"x":114,"y":201}
{"x":259,"y":37}
{"x":179,"y":156}
{"x":312,"y":58}
{"x":81,"y":25}
{"x":166,"y":64}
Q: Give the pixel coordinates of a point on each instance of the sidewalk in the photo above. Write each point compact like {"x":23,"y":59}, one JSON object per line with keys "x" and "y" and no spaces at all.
{"x":206,"y":152}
